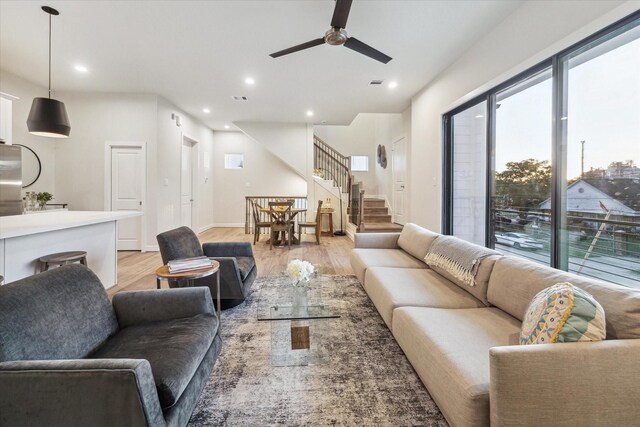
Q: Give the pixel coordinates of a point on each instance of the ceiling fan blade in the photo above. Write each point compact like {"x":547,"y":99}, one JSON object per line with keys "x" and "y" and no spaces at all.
{"x":355,"y":44}
{"x":303,"y":46}
{"x":341,"y":13}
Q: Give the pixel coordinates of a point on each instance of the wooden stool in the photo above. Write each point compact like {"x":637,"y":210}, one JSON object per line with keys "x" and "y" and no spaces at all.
{"x":330,"y":214}
{"x":62,"y":258}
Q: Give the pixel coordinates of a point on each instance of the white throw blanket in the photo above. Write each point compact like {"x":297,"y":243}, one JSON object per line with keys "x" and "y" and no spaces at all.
{"x":460,"y":259}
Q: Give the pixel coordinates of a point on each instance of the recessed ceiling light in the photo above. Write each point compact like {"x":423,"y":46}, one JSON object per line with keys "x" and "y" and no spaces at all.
{"x":393,"y":85}
{"x":227,"y":126}
{"x":81,"y":68}
{"x":250,"y":81}
{"x":206,"y":110}
{"x":309,"y":113}
{"x":479,"y":116}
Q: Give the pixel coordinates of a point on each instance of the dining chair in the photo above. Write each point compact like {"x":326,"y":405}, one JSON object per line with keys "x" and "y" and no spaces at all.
{"x":281,"y":221}
{"x":258,"y":224}
{"x":317,"y":224}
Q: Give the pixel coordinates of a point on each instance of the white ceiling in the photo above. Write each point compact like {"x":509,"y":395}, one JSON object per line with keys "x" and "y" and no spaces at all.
{"x":198,"y":53}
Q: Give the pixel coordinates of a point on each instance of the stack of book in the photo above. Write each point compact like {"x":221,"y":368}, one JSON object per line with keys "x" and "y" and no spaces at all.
{"x":187,"y":264}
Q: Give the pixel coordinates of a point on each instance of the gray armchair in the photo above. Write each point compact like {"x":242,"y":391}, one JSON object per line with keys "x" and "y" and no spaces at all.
{"x":68,"y":356}
{"x":238,"y":268}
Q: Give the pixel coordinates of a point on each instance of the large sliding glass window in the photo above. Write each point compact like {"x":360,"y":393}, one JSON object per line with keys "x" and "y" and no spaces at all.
{"x":547,"y":165}
{"x":601,"y":181}
{"x":470,"y":172}
{"x":522,"y":168}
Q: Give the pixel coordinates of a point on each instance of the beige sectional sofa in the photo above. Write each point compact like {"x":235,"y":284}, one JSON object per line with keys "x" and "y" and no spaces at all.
{"x":463,"y":341}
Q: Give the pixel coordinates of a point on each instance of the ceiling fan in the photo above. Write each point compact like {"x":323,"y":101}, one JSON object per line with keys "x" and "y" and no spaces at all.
{"x":337,"y":36}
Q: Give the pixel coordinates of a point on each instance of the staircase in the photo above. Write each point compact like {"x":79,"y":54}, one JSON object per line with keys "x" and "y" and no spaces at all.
{"x":334,"y":170}
{"x":376,"y":218}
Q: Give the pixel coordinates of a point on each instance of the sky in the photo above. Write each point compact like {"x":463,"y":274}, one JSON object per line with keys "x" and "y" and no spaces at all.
{"x":603,"y":110}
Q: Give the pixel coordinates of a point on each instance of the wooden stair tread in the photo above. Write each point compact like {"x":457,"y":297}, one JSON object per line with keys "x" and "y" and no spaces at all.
{"x":378,"y":227}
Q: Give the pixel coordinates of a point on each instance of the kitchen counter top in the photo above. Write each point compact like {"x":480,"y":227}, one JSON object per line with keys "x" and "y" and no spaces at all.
{"x":24,"y":225}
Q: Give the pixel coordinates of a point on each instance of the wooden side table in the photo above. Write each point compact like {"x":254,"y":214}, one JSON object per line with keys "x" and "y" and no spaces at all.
{"x":162,"y":273}
{"x":329,"y":212}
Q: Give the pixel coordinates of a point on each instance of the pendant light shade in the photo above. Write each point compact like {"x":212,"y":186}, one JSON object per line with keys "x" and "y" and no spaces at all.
{"x":48,"y":117}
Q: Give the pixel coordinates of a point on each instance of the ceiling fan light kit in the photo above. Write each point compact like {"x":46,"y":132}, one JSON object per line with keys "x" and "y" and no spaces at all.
{"x":48,"y":117}
{"x":337,"y":36}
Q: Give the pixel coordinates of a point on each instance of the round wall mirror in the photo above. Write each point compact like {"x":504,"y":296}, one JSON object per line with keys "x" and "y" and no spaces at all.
{"x":31,"y":166}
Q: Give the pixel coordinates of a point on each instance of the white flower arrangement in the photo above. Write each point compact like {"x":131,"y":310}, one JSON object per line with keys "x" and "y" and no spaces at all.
{"x":300,"y":271}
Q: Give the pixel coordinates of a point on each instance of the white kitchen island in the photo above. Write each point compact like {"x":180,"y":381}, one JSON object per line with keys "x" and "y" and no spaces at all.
{"x":25,"y":238}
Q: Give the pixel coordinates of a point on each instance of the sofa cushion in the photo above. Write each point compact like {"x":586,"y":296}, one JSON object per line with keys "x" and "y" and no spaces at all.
{"x":487,"y":258}
{"x":416,"y":240}
{"x":62,"y":313}
{"x":390,"y":288}
{"x":514,"y":282}
{"x":245,"y":265}
{"x":361,"y":259}
{"x":562,"y":313}
{"x":449,"y":349}
{"x":174,"y":349}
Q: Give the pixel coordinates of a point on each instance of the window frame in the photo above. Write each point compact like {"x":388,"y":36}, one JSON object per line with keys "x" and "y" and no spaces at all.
{"x":228,"y":158}
{"x":360,"y":156}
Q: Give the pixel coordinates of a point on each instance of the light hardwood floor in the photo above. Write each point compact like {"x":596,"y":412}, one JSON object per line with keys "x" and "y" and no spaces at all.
{"x":136,"y":270}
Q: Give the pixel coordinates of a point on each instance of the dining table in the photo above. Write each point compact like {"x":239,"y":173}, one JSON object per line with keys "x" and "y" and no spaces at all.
{"x":279,"y":212}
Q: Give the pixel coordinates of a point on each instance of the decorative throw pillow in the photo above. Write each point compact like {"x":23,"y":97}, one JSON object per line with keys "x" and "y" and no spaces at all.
{"x":563,"y":313}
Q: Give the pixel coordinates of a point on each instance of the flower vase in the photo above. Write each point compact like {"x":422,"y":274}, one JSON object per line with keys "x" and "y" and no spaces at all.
{"x":300,"y":301}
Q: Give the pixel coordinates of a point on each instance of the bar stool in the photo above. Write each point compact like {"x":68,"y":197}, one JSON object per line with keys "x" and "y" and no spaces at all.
{"x":62,"y":258}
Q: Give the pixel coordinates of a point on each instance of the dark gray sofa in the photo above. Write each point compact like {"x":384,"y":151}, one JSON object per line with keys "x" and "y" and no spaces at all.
{"x":70,"y":357}
{"x":238,"y":268}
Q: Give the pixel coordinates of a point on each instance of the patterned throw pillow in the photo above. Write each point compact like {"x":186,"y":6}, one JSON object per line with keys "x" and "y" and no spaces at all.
{"x":563,"y":313}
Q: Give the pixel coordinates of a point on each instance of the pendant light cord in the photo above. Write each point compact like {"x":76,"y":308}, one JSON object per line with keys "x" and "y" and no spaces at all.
{"x":49,"y":55}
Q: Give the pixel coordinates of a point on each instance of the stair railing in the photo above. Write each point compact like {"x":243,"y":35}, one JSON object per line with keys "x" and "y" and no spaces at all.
{"x":356,"y":204}
{"x":327,"y":158}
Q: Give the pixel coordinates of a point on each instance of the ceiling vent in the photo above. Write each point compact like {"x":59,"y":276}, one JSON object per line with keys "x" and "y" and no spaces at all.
{"x":239,"y":98}
{"x":376,"y":82}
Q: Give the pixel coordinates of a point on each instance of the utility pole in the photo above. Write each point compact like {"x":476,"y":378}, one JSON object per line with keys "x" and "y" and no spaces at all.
{"x":582,"y":160}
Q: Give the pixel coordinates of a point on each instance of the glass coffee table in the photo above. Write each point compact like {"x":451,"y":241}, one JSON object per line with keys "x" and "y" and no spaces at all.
{"x":301,"y":320}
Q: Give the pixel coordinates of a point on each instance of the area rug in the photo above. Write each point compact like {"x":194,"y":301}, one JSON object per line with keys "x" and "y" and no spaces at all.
{"x":366,"y":380}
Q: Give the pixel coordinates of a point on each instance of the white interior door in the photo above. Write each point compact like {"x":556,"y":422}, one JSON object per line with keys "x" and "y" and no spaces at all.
{"x":186,"y":183}
{"x":127,"y":184}
{"x":399,"y":166}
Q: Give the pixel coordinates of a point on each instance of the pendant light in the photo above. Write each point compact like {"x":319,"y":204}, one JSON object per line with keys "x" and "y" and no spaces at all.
{"x":48,"y":117}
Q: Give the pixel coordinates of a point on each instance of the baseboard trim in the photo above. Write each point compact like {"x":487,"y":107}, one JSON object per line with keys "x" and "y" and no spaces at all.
{"x":227,"y":225}
{"x":205,"y":228}
{"x":152,"y":248}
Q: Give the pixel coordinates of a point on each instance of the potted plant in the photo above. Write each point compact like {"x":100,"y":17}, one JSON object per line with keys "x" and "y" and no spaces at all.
{"x":43,"y":197}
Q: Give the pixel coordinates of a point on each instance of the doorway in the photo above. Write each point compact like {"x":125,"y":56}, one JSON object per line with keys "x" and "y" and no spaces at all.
{"x":126,"y":170}
{"x":188,"y":183}
{"x":399,"y":172}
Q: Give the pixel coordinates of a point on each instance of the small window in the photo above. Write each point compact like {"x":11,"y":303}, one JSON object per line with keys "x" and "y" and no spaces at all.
{"x":234,"y":161}
{"x":359,"y":163}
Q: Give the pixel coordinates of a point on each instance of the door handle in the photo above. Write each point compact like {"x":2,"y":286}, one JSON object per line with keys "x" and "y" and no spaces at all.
{"x":140,"y":202}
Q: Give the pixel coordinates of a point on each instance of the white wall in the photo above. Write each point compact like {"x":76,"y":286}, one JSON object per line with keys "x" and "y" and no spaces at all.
{"x":288,"y":141}
{"x":80,"y":159}
{"x":45,"y":148}
{"x":264,"y":174}
{"x":167,"y":168}
{"x":362,"y":137}
{"x":531,"y":34}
